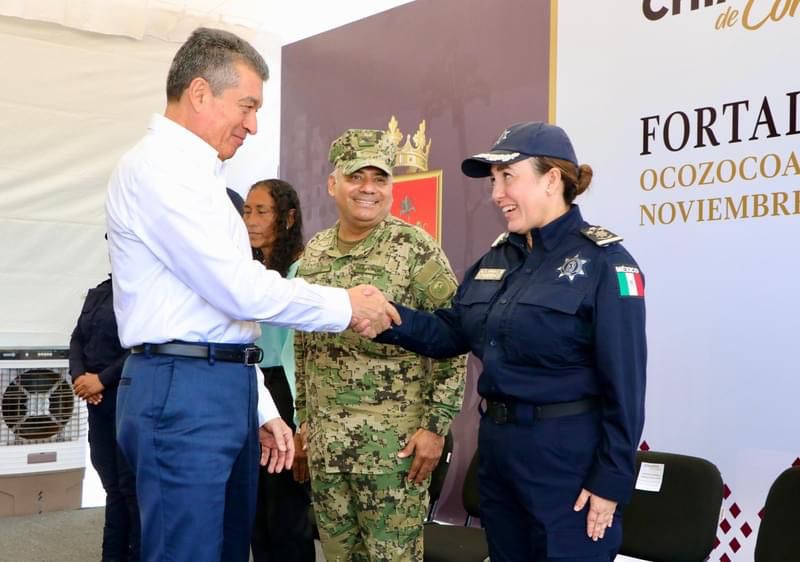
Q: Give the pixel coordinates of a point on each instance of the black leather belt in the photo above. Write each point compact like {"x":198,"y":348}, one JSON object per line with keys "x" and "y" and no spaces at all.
{"x":522,"y":413}
{"x":247,"y":354}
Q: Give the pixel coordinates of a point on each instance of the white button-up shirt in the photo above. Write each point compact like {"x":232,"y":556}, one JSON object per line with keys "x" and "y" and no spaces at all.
{"x":181,"y":259}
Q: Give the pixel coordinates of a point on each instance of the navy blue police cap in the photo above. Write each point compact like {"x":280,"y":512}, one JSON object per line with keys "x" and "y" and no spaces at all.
{"x":521,"y":141}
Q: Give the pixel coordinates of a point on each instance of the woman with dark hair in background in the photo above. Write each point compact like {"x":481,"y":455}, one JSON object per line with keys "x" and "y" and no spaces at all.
{"x":555,"y":311}
{"x":282,"y":530}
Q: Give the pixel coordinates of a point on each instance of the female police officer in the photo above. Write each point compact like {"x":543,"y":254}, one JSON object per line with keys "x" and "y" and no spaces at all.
{"x":555,"y":311}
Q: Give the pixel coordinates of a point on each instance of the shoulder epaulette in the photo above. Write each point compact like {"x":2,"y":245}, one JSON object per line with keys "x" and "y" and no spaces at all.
{"x":600,"y":235}
{"x":500,"y":240}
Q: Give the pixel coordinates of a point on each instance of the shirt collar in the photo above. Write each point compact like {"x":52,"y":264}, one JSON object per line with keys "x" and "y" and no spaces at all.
{"x":551,"y":234}
{"x":365,"y":245}
{"x":192,"y":147}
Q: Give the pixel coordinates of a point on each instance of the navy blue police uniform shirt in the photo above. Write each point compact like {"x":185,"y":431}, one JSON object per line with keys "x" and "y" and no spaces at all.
{"x":94,"y":346}
{"x":564,"y":321}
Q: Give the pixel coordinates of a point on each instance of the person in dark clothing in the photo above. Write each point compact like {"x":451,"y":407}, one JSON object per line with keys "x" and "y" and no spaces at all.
{"x":236,"y":199}
{"x":95,"y":364}
{"x":555,"y":312}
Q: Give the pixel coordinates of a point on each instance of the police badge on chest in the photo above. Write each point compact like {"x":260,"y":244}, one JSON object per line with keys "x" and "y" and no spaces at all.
{"x":573,"y":267}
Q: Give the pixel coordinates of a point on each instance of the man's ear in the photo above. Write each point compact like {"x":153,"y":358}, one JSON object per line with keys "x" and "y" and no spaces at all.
{"x":332,"y":184}
{"x":198,"y":93}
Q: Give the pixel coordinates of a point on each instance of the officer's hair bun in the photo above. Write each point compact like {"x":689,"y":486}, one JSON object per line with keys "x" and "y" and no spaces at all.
{"x":584,"y":178}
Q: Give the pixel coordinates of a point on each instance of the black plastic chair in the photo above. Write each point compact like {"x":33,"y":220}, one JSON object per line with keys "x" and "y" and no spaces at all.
{"x":779,"y":533}
{"x":453,"y":543}
{"x":678,"y":523}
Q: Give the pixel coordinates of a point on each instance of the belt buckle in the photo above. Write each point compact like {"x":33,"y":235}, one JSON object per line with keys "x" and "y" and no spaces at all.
{"x":253,"y":355}
{"x":501,"y":413}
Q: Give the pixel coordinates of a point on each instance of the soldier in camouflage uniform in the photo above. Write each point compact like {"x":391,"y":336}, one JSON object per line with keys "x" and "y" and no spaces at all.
{"x":374,"y":415}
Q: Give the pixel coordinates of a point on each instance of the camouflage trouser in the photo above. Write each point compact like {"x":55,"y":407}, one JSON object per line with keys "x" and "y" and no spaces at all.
{"x":369,"y":517}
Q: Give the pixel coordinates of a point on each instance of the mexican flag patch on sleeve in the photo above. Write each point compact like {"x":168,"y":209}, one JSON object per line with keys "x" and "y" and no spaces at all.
{"x":630,"y":281}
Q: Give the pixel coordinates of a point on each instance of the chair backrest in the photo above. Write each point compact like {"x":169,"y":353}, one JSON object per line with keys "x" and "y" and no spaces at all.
{"x":469,"y":493}
{"x":779,"y":533}
{"x":679,"y":522}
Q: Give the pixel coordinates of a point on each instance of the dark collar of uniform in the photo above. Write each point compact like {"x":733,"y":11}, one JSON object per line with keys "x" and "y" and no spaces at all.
{"x":551,"y":234}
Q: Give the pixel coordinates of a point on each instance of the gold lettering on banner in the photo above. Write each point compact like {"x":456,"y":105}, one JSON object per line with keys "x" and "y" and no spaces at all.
{"x":749,"y":168}
{"x":760,"y":208}
{"x":780,"y":10}
{"x":793,"y":164}
{"x":712,"y":209}
{"x":754,"y":16}
{"x":720,"y":174}
{"x":706,"y":167}
{"x":734,"y":211}
{"x":728,"y":18}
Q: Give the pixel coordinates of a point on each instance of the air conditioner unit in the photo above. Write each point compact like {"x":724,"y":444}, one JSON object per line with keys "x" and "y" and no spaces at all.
{"x":42,"y":433}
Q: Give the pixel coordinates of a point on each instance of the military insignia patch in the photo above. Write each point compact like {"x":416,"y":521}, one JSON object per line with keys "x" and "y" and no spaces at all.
{"x":600,"y":235}
{"x":630,"y":281}
{"x":489,"y":274}
{"x":441,"y":289}
{"x":572,"y":268}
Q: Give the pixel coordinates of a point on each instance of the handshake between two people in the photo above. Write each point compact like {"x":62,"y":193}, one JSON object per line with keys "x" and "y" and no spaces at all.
{"x":372,"y":313}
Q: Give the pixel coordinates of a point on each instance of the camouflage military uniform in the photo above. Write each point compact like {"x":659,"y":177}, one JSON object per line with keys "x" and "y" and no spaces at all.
{"x":363,"y":400}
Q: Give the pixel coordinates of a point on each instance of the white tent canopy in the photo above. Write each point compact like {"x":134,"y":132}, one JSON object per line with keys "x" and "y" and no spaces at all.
{"x":83,"y":76}
{"x":80,"y":92}
{"x":172,"y":20}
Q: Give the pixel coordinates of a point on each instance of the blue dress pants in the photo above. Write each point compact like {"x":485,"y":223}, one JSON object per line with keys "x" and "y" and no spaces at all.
{"x":188,"y":428}
{"x":530,"y":476}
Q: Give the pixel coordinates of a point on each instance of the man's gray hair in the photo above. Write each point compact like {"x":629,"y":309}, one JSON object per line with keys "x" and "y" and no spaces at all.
{"x":211,"y":54}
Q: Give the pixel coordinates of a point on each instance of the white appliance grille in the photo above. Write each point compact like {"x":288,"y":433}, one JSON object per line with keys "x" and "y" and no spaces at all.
{"x":38,"y":406}
{"x":43,"y":424}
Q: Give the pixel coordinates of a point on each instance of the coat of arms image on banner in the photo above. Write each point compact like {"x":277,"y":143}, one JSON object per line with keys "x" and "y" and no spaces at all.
{"x":418,"y":194}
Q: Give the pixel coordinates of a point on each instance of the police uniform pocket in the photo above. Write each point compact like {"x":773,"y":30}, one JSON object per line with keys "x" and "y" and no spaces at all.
{"x":561,"y":299}
{"x":578,"y":439}
{"x":545,"y":327}
{"x":473,"y":305}
{"x":479,"y":292}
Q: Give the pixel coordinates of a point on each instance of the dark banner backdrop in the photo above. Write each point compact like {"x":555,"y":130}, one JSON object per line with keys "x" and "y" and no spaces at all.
{"x":469,"y":68}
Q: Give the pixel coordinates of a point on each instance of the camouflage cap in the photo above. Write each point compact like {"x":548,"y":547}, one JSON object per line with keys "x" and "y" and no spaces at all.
{"x":359,"y":148}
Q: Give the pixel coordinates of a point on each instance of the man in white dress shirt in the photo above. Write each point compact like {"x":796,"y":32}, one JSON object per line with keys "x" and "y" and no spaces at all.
{"x":187,"y":296}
